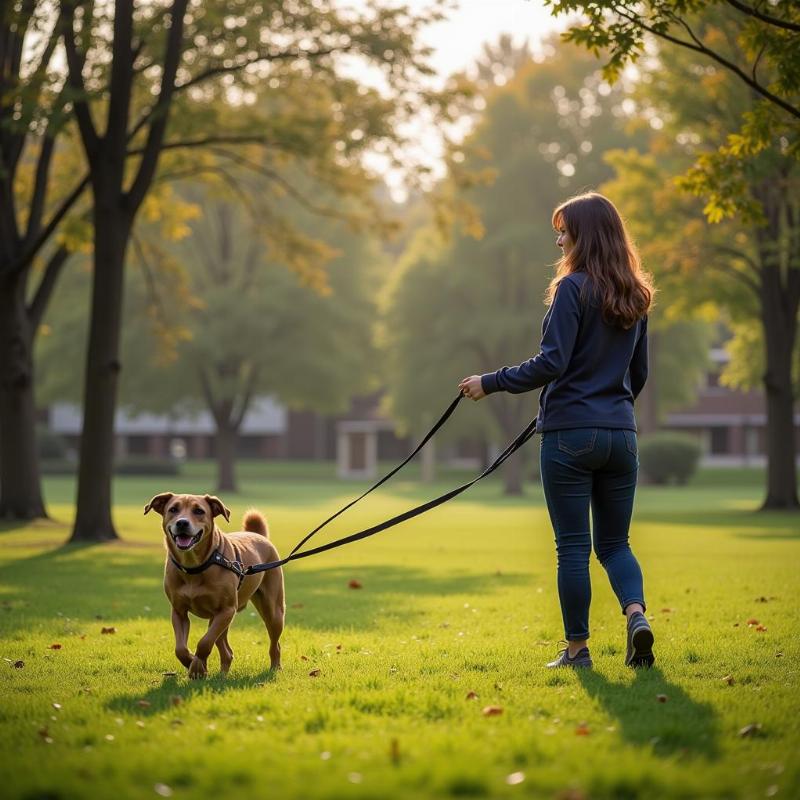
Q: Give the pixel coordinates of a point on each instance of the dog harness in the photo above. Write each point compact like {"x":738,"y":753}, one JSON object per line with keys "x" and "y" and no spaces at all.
{"x":215,"y":558}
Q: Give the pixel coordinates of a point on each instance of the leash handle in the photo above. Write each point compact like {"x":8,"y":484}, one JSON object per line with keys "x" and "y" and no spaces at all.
{"x":518,"y":441}
{"x":451,"y":408}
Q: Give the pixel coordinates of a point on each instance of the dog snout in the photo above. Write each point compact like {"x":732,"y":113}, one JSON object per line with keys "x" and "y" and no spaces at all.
{"x":182,"y":525}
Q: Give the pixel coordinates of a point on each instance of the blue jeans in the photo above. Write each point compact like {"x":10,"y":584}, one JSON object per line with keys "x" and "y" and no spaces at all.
{"x":598,"y":467}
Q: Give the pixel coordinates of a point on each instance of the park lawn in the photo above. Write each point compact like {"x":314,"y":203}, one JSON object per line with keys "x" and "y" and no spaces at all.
{"x":461,"y":600}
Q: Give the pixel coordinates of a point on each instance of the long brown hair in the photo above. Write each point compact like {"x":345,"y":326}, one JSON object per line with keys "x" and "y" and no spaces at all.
{"x":602,"y":248}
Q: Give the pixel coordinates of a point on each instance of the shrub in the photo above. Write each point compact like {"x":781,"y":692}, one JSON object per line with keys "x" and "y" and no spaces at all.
{"x":58,"y":466}
{"x":146,"y":465}
{"x":669,"y":456}
{"x":50,"y":445}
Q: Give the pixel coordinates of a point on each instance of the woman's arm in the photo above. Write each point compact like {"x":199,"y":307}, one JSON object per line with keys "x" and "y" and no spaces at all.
{"x":558,"y":342}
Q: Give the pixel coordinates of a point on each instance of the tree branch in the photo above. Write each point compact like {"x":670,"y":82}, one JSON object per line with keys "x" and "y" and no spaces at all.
{"x":752,"y":12}
{"x":120,"y":82}
{"x":24,"y":259}
{"x":40,"y":187}
{"x":220,"y":69}
{"x":158,"y":123}
{"x":208,"y":140}
{"x":75,"y":62}
{"x":704,"y":50}
{"x":44,"y":291}
{"x":247,"y":395}
{"x":279,"y":179}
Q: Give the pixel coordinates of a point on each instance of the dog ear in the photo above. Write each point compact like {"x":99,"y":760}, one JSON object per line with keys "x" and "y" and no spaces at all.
{"x":159,"y":502}
{"x":218,"y":507}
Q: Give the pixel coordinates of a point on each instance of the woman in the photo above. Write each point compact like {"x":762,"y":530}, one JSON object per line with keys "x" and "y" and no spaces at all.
{"x":592,"y":365}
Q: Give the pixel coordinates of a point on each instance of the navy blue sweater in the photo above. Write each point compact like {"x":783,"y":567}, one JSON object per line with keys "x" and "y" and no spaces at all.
{"x":591,"y":371}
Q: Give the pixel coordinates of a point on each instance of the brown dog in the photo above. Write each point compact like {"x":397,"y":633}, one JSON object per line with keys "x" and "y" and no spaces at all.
{"x":215,"y":593}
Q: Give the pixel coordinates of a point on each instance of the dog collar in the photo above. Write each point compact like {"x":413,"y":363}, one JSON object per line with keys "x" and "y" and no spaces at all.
{"x":215,"y":558}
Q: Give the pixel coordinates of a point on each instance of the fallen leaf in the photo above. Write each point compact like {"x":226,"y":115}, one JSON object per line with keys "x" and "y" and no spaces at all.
{"x":45,"y":735}
{"x":338,"y":647}
{"x":472,"y":695}
{"x":492,"y":711}
{"x":315,"y":673}
{"x":354,"y":584}
{"x":753,"y":729}
{"x":666,"y":610}
{"x":19,"y":664}
{"x":110,"y":629}
{"x":582,"y":729}
{"x":162,"y":790}
{"x":304,"y":658}
{"x":143,"y":703}
{"x":57,"y":706}
{"x":752,"y":621}
{"x":778,"y":655}
{"x":515,"y":778}
{"x":662,"y":698}
{"x":762,"y":599}
{"x":570,"y":794}
{"x":729,"y":680}
{"x":175,"y":700}
{"x":54,"y":647}
{"x":761,"y":628}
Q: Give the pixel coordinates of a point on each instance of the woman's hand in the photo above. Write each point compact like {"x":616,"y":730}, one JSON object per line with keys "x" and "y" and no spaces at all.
{"x":472,"y":388}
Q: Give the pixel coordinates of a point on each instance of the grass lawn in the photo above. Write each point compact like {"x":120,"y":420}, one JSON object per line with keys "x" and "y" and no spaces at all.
{"x":459,"y":602}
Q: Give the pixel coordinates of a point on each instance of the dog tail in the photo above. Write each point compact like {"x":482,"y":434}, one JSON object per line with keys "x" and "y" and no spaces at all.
{"x":254,"y":521}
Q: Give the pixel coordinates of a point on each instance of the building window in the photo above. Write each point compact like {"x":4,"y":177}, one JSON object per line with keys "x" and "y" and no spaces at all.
{"x":719,"y":441}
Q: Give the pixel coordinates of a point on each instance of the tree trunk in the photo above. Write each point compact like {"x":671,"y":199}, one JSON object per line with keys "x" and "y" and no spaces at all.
{"x":510,"y":417}
{"x":512,"y":474}
{"x":226,"y":457}
{"x":93,"y":515}
{"x":780,"y":296}
{"x":20,"y":481}
{"x":428,"y":462}
{"x":780,"y":333}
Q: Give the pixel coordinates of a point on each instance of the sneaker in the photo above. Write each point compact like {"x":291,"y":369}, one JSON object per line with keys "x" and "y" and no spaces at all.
{"x":640,"y":642}
{"x":581,"y":658}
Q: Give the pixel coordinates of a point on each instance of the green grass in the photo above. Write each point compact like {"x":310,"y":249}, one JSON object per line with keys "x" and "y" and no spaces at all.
{"x":460,"y":600}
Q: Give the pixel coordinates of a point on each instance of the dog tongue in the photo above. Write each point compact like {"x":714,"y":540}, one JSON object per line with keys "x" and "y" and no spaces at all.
{"x":183,"y":540}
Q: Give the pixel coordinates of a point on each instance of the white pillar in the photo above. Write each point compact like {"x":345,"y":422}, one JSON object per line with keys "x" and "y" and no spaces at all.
{"x":342,"y":454}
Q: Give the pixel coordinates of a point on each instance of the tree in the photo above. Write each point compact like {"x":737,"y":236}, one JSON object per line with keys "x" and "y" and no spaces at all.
{"x":465,"y":305}
{"x":756,"y":49}
{"x":749,"y":267}
{"x":132,"y":66}
{"x":37,"y":196}
{"x":253,"y":316}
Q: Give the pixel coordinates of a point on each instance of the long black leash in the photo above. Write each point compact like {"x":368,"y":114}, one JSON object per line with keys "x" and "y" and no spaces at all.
{"x":242,"y":571}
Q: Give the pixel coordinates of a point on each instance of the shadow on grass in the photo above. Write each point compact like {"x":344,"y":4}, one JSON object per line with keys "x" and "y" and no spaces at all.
{"x":118,"y":582}
{"x":679,"y":726}
{"x":750,"y":524}
{"x":171,"y":693}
